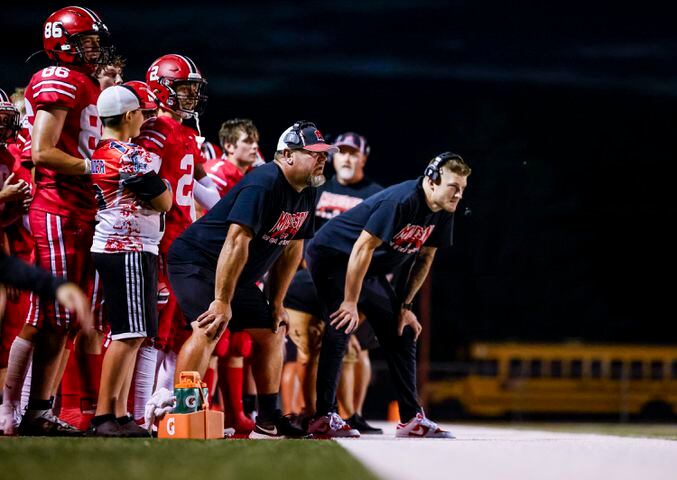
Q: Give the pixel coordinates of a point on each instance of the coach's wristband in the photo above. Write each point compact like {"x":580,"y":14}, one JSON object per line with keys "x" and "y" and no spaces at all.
{"x":88,"y":166}
{"x":408,"y":306}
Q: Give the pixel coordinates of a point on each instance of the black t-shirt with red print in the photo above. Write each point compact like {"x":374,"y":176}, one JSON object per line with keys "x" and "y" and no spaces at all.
{"x":265,"y":203}
{"x":398,"y":215}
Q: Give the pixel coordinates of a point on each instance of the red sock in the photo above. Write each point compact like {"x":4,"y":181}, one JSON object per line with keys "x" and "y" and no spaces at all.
{"x":234,"y":379}
{"x":210,"y":380}
{"x":90,"y":377}
{"x":70,"y":384}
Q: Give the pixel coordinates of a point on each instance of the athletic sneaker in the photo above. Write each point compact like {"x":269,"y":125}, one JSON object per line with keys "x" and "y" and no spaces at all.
{"x":131,"y":429}
{"x":43,"y":423}
{"x":109,"y":428}
{"x":278,"y":429}
{"x":421,"y":427}
{"x":10,"y":418}
{"x":331,"y":426}
{"x":360,"y":424}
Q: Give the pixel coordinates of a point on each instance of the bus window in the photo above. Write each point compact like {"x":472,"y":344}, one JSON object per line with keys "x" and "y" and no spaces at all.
{"x":576,"y":369}
{"x":535,"y":368}
{"x":656,"y":370}
{"x":636,"y":370}
{"x":487,"y":368}
{"x":515,"y":368}
{"x":616,"y":369}
{"x":556,"y":368}
{"x":596,"y":369}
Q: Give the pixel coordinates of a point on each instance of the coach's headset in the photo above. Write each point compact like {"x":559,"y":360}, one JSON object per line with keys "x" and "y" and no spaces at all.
{"x":432,"y":171}
{"x":293,"y":137}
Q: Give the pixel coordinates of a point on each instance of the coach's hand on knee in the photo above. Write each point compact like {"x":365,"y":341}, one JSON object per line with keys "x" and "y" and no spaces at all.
{"x":407,"y":318}
{"x":346,"y":316}
{"x":215,"y":320}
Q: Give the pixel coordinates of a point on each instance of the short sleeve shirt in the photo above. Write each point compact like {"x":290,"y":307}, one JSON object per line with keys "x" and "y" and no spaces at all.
{"x":265,"y":203}
{"x":398,"y":215}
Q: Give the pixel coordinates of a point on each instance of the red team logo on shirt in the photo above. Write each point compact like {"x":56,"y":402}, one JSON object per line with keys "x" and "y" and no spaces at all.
{"x":286,"y":227}
{"x":411,"y":238}
{"x":332,"y":204}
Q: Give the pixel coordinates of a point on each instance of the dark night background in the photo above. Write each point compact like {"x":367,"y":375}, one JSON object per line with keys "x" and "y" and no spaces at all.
{"x":565,"y":112}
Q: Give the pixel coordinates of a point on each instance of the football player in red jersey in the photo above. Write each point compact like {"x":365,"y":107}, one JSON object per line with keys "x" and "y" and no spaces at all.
{"x":64,"y":128}
{"x":240,"y":141}
{"x":179,"y":89}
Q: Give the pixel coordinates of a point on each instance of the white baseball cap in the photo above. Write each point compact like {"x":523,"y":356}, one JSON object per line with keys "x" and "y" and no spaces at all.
{"x":117,"y":100}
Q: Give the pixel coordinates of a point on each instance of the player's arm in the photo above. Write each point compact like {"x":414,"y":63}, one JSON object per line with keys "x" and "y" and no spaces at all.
{"x":358,"y":264}
{"x":232,"y":259}
{"x":152,"y":189}
{"x":417,"y":275}
{"x":281,"y":276}
{"x":46,"y":133}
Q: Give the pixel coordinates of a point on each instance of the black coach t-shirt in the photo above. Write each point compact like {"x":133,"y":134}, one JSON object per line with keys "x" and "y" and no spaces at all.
{"x":397,"y":215}
{"x":265,"y":203}
{"x":334,"y":198}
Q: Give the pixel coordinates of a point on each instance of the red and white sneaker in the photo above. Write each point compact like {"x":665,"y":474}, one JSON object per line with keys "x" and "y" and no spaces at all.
{"x":421,"y":427}
{"x":331,"y":426}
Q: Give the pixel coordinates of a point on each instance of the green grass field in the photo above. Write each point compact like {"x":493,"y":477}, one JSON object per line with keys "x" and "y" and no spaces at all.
{"x":84,"y":458}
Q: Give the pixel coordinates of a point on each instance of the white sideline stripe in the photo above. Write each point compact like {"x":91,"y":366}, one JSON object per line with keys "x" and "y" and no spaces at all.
{"x":155,"y":132}
{"x":218,"y":180}
{"x":159,"y":144}
{"x":56,"y":82}
{"x":57,"y":90}
{"x":480,"y":453}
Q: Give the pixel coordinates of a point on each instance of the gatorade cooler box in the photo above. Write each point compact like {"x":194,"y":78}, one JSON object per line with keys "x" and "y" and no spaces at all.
{"x":191,"y":417}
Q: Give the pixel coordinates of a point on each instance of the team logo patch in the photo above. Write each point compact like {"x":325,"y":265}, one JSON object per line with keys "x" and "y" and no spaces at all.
{"x":411,"y":238}
{"x":98,"y":167}
{"x":286,"y":227}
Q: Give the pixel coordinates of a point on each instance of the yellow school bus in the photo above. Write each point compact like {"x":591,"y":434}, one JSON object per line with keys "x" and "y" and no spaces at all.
{"x":566,"y":378}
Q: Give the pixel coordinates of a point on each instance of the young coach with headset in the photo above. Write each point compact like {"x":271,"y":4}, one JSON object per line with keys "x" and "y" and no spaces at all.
{"x":349,"y":258}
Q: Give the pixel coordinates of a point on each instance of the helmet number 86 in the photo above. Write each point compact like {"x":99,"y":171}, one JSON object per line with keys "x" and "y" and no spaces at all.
{"x":53,"y":30}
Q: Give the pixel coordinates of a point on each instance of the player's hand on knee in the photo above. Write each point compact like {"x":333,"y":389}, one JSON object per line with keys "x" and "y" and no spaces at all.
{"x":345,"y":317}
{"x":407,"y":318}
{"x":215,"y":320}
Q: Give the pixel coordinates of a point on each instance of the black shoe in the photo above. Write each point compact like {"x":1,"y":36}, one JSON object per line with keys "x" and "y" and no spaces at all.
{"x":278,"y":429}
{"x":132,"y":429}
{"x":43,"y":423}
{"x":109,"y":428}
{"x":360,"y":424}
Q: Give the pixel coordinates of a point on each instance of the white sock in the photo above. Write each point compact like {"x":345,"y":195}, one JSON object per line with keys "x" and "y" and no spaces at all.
{"x":20,"y":356}
{"x":144,"y":378}
{"x":165,"y":373}
{"x":26,"y":389}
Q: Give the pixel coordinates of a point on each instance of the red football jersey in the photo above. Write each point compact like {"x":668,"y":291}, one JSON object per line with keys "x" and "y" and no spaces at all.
{"x":67,"y":195}
{"x":6,"y":169}
{"x":177,"y":147}
{"x":224,"y":174}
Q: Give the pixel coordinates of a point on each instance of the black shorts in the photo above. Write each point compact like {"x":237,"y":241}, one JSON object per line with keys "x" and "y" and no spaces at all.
{"x":193,"y":286}
{"x":129,"y":282}
{"x":302,"y":295}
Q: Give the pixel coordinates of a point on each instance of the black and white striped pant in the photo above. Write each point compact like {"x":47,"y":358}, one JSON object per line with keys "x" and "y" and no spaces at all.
{"x":130,"y":291}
